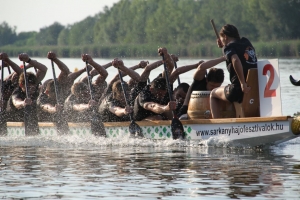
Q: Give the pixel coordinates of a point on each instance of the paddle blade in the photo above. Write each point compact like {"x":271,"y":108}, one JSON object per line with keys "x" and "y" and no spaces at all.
{"x":135,"y":130}
{"x":177,"y":129}
{"x":3,"y":124}
{"x":30,"y":121}
{"x":294,"y":82}
{"x":62,"y":124}
{"x":97,"y":126}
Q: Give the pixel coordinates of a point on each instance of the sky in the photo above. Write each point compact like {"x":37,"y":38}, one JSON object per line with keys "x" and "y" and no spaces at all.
{"x":31,"y":15}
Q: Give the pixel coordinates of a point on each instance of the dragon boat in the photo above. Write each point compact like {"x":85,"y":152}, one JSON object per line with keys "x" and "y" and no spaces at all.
{"x":256,"y":121}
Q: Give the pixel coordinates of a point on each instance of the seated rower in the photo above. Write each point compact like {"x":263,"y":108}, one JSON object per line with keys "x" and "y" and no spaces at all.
{"x":179,"y":93}
{"x":137,"y":87}
{"x":79,"y":105}
{"x":47,"y":104}
{"x":65,"y":78}
{"x":150,"y":104}
{"x":99,"y":85}
{"x":11,"y":81}
{"x":202,"y":82}
{"x":113,"y":107}
{"x":18,"y":100}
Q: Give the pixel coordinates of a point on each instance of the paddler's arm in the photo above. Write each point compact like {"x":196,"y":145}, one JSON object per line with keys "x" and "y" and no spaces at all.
{"x":119,"y":64}
{"x":84,"y":78}
{"x":84,"y":107}
{"x":48,"y":108}
{"x":206,"y":65}
{"x":98,"y":68}
{"x":158,"y":108}
{"x":62,"y":77}
{"x":14,"y":66}
{"x":41,"y":69}
{"x":19,"y":103}
{"x":146,"y":73}
{"x":167,"y":59}
{"x":237,"y":65}
{"x":120,"y":111}
{"x":181,"y":70}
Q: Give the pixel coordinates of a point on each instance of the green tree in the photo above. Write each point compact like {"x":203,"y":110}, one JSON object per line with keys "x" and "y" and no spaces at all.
{"x":26,"y":39}
{"x":63,"y":37}
{"x":49,"y":35}
{"x":8,"y":34}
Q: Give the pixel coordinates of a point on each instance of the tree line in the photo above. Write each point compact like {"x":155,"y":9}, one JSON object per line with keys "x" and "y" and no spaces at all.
{"x":137,"y":27}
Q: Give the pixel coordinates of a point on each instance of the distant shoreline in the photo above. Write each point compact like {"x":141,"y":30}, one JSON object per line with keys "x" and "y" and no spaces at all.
{"x":273,"y":49}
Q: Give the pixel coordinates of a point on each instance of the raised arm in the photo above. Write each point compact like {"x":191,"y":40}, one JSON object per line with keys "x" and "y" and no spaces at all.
{"x":99,"y":69}
{"x":146,"y":73}
{"x":183,"y":69}
{"x":119,"y":64}
{"x":201,"y":70}
{"x":167,"y":59}
{"x":62,"y":77}
{"x":14,"y":66}
{"x":41,"y":69}
{"x":74,"y":75}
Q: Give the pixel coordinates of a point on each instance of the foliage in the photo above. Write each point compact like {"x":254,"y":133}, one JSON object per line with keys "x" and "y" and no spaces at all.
{"x":131,"y":26}
{"x":8,"y":34}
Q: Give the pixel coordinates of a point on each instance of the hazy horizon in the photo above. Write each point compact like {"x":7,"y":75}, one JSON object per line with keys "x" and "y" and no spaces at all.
{"x":32,"y":15}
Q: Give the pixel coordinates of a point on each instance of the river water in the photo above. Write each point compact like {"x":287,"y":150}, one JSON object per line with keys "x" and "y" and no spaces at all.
{"x":70,"y":167}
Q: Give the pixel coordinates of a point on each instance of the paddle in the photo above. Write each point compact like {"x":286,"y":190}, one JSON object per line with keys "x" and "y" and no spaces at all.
{"x":61,"y":122}
{"x":30,"y":122}
{"x":3,"y":125}
{"x":176,"y":125}
{"x":134,"y":128}
{"x":97,"y":126}
{"x":175,"y":64}
{"x":9,"y":70}
{"x":214,"y":27}
{"x":294,"y":82}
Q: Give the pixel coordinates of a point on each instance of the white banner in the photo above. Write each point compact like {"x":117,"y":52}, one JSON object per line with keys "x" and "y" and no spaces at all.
{"x":269,"y":88}
{"x":239,"y":130}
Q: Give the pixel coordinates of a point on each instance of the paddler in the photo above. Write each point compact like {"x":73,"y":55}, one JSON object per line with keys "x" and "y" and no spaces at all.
{"x":240,"y":56}
{"x":18,"y":100}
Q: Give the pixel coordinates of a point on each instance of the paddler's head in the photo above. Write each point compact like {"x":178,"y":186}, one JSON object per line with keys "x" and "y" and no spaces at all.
{"x":214,"y":78}
{"x":80,"y":90}
{"x":31,"y":80}
{"x":50,"y":90}
{"x":117,"y":91}
{"x":179,"y":93}
{"x":229,"y":33}
{"x":158,"y":87}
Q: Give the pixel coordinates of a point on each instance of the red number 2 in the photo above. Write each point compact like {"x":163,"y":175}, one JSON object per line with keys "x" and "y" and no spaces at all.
{"x":268,"y":92}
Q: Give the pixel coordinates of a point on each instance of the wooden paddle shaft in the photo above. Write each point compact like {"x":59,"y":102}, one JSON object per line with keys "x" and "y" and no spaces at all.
{"x":2,"y":86}
{"x":55,"y":83}
{"x":26,"y":81}
{"x":175,"y":65}
{"x":89,"y":80}
{"x":214,"y":27}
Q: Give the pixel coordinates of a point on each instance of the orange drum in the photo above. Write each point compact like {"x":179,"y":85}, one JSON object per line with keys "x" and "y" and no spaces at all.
{"x":199,"y":106}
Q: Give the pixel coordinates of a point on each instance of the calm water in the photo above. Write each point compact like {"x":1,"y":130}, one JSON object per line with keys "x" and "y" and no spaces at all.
{"x":69,"y":167}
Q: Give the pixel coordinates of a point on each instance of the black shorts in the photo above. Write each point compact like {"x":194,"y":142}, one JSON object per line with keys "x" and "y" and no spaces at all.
{"x":234,"y":93}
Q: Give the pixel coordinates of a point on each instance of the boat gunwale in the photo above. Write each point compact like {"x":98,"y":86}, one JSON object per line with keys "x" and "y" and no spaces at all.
{"x":166,"y":122}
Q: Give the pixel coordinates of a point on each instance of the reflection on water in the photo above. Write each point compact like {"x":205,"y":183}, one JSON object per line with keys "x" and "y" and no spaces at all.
{"x":35,"y":167}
